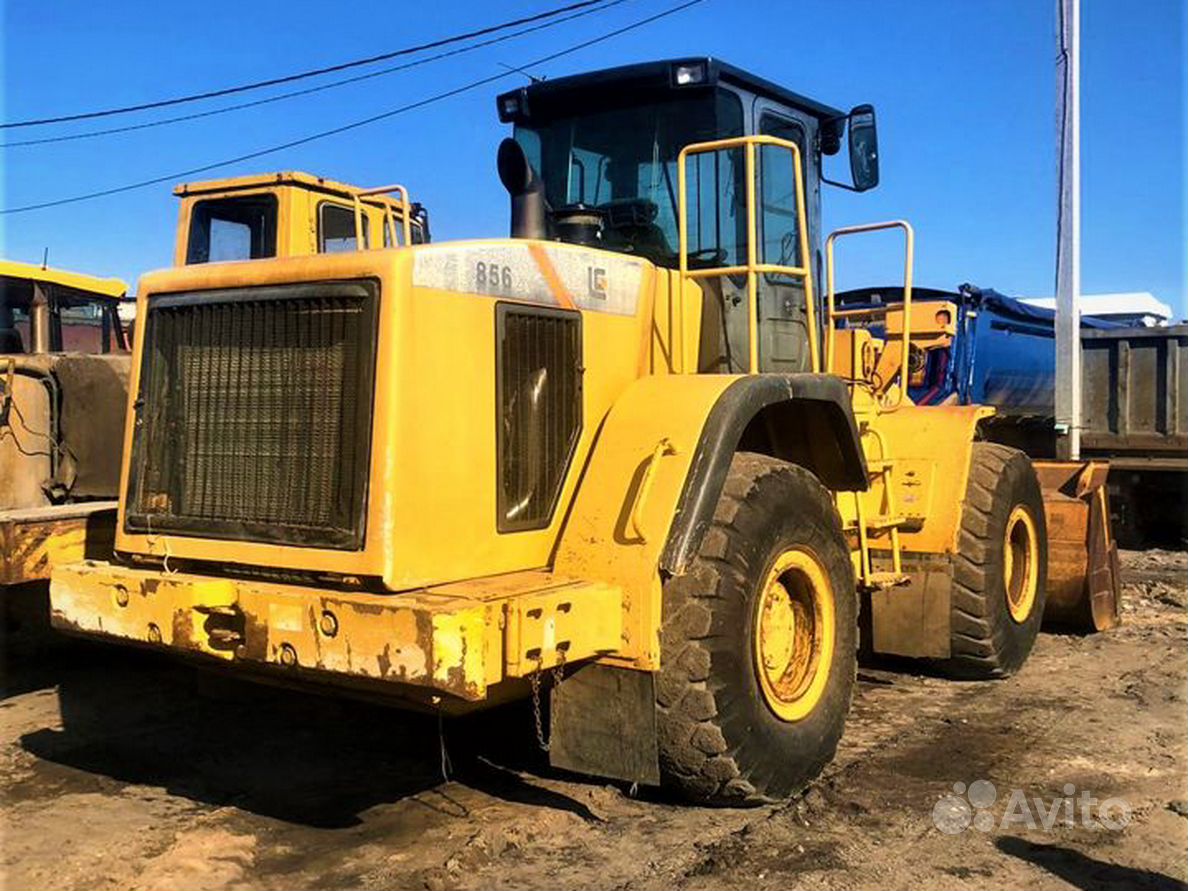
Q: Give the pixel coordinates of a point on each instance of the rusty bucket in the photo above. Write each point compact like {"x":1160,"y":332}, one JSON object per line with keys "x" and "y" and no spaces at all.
{"x":1083,"y":574}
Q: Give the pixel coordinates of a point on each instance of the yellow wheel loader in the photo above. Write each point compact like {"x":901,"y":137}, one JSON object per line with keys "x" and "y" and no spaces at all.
{"x":628,"y":457}
{"x":64,"y":351}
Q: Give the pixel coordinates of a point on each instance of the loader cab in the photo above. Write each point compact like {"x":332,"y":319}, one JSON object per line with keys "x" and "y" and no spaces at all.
{"x":291,"y":214}
{"x":54,"y":311}
{"x":605,"y":147}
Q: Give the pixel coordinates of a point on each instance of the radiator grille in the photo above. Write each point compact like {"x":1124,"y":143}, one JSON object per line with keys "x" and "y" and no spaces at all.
{"x":539,"y":387}
{"x":254,"y":417}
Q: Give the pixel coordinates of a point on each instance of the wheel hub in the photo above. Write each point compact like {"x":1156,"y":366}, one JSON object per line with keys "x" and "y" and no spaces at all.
{"x":794,"y":633}
{"x":1020,"y":568}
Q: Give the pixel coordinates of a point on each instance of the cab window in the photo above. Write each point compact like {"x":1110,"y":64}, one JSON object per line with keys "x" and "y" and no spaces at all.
{"x":779,"y":226}
{"x":336,"y":229}
{"x":239,"y":228}
{"x":622,"y":159}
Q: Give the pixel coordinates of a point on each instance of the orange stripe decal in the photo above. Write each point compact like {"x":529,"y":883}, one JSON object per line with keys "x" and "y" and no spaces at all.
{"x":556,"y":286}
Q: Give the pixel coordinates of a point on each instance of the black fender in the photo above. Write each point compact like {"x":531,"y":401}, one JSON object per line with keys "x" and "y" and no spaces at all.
{"x":806,"y":419}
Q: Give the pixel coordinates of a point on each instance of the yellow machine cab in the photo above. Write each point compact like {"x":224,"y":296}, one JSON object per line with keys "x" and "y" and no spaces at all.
{"x":291,"y":214}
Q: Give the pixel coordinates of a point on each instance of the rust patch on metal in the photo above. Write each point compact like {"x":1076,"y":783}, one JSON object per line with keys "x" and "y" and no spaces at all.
{"x":255,"y":638}
{"x":183,"y":626}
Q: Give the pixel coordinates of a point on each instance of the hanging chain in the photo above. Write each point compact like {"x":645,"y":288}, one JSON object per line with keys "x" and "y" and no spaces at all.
{"x":534,"y":682}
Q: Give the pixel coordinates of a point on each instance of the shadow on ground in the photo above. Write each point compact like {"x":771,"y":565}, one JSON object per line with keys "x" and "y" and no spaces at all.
{"x":32,"y":655}
{"x":1085,"y":872}
{"x":305,"y":758}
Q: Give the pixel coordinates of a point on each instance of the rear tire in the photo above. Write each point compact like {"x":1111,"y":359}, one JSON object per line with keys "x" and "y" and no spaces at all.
{"x":758,"y":642}
{"x":1000,"y":571}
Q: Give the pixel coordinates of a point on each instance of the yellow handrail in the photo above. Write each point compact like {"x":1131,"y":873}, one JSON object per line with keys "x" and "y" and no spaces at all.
{"x":663,"y":447}
{"x":833,"y":314}
{"x":405,"y":212}
{"x":753,"y":268}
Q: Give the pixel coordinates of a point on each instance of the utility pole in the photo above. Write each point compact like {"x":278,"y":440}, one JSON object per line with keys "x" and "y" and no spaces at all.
{"x":1068,"y":233}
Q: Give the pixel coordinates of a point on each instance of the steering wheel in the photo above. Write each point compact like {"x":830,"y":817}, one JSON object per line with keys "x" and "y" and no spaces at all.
{"x":628,"y":212}
{"x":706,"y":257}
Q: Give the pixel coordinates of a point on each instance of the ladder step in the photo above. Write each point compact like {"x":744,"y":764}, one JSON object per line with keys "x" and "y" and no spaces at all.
{"x":883,"y":580}
{"x":876,"y":524}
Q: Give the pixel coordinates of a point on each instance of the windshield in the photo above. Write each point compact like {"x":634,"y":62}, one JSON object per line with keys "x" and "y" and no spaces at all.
{"x":239,"y":228}
{"x":622,"y":160}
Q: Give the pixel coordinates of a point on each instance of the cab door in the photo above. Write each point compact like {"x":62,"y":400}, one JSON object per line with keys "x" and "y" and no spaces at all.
{"x":783,"y":311}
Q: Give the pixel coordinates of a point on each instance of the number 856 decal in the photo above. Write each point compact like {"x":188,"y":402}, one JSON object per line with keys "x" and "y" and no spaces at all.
{"x":492,"y":277}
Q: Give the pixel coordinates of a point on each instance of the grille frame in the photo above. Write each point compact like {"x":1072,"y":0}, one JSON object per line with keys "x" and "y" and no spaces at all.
{"x":505,"y":312}
{"x":348,"y":536}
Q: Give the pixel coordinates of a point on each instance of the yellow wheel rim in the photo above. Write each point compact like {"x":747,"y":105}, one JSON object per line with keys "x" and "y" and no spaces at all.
{"x":1020,"y":569}
{"x":794,"y":634}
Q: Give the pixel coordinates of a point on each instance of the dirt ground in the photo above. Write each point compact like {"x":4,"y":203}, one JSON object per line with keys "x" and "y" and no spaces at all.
{"x":123,"y":770}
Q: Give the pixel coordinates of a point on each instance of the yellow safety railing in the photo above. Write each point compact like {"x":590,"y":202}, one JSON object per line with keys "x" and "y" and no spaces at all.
{"x":405,"y":212}
{"x":752,"y":268}
{"x":833,"y":314}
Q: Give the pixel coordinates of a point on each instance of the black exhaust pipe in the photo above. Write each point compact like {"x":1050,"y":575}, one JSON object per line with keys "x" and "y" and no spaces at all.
{"x":529,"y":209}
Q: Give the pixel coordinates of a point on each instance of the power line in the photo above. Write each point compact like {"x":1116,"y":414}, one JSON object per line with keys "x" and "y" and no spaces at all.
{"x":354,"y":125}
{"x":607,"y":4}
{"x":275,"y":81}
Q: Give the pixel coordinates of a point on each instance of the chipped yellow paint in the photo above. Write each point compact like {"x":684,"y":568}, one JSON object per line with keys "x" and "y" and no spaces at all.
{"x":34,"y":541}
{"x":440,"y":639}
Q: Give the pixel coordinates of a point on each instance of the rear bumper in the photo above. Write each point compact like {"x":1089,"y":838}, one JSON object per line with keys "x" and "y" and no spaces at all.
{"x":34,"y":541}
{"x":459,"y":639}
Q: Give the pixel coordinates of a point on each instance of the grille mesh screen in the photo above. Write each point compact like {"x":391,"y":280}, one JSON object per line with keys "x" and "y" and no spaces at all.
{"x":540,"y":410}
{"x":254,"y":420}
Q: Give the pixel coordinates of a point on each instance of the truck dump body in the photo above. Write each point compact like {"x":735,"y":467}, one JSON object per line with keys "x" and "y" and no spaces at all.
{"x":1133,"y":385}
{"x":1133,"y":389}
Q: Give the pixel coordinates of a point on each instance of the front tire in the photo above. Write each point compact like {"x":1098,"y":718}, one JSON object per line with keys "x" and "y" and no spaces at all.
{"x":758,"y":642}
{"x":1000,"y":571}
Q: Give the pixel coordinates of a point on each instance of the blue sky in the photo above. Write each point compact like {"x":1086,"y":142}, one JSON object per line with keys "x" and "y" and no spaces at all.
{"x":965,"y":94}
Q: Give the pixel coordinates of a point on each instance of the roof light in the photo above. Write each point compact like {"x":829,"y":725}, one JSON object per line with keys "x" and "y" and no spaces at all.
{"x":689,"y":74}
{"x":509,"y":105}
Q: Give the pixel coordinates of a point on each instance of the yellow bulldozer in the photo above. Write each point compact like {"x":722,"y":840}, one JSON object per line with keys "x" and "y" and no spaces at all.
{"x":630,"y":457}
{"x":64,"y":351}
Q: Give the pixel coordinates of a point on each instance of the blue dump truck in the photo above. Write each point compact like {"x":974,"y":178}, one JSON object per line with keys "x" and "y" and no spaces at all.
{"x":974,"y":345}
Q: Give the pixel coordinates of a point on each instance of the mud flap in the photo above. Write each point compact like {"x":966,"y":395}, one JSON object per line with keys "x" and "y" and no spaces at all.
{"x":913,"y":619}
{"x":1083,"y":574}
{"x":604,"y":724}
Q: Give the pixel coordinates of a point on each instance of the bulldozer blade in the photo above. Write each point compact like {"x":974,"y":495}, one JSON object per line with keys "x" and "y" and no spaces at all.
{"x":1083,"y":573}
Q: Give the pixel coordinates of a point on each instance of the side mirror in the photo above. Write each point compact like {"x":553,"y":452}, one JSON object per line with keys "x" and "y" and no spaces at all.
{"x":864,"y":148}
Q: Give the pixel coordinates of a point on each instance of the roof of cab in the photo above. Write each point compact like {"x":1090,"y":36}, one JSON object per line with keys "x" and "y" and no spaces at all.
{"x":658,"y":76}
{"x":281,"y":178}
{"x":78,"y":281}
